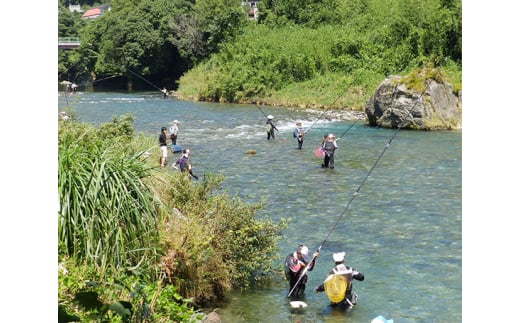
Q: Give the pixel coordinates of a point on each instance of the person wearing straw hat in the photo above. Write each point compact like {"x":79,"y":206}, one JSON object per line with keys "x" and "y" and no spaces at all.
{"x":338,"y":284}
{"x":294,"y":265}
{"x":329,"y":147}
{"x":270,"y":128}
{"x":174,"y":129}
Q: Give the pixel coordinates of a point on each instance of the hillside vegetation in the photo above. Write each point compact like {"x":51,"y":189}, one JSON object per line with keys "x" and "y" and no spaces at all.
{"x":304,"y":62}
{"x":298,"y":53}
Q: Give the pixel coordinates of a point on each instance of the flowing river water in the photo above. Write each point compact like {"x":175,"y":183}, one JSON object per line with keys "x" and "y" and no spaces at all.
{"x":403,"y":229}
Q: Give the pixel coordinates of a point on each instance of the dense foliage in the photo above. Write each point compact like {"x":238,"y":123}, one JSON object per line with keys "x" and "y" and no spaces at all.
{"x":298,"y":49}
{"x":139,"y":242}
{"x":311,"y":44}
{"x":151,"y":40}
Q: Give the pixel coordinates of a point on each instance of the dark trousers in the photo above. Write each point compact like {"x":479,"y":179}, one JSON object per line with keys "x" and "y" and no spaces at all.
{"x":270,"y":134}
{"x":174,"y":139}
{"x":300,"y":143}
{"x":300,"y":288}
{"x":328,"y":161}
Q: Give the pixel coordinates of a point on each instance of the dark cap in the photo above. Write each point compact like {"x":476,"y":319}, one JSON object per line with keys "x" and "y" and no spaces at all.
{"x":163,"y":129}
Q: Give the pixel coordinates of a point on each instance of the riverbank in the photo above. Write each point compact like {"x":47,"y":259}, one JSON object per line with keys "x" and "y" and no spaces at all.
{"x":324,"y":112}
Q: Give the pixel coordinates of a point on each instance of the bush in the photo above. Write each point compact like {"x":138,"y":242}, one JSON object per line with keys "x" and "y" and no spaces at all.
{"x":127,"y":226}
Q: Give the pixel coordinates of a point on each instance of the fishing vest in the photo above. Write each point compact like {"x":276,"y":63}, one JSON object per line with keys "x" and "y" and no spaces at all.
{"x":292,"y":263}
{"x":329,"y":147}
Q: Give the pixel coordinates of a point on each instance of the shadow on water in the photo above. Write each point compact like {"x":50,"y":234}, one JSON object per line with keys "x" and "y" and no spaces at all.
{"x":402,"y":229}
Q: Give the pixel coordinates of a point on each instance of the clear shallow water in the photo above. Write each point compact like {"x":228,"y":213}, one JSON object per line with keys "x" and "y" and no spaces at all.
{"x":403,"y":230}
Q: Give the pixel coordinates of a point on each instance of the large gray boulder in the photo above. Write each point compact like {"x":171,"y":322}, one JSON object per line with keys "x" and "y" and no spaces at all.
{"x":395,"y":105}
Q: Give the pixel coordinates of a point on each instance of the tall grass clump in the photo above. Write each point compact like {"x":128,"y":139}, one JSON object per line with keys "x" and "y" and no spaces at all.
{"x":136,"y":241}
{"x":107,"y":214}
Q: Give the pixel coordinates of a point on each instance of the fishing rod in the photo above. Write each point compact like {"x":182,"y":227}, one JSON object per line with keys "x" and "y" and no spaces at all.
{"x":142,"y":78}
{"x":348,"y":205}
{"x":59,"y":75}
{"x":358,"y":189}
{"x":331,"y":105}
{"x":352,"y":125}
{"x":265,"y":115}
{"x":303,"y":273}
{"x":109,"y":77}
{"x":94,"y":81}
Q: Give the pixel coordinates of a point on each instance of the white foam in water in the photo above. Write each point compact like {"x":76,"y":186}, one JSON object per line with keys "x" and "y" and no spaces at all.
{"x":401,"y":230}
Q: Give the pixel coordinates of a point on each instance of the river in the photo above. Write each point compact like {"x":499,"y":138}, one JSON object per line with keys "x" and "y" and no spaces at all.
{"x":402,"y":230}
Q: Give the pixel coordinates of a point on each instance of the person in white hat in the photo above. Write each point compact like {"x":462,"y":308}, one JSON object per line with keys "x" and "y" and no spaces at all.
{"x":164,"y":91}
{"x":294,"y":265}
{"x":174,"y":129}
{"x":347,"y":273}
{"x":270,"y":128}
{"x":329,"y":147}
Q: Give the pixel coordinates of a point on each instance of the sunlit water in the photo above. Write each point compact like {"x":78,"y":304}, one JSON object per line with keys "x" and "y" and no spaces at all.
{"x":403,"y":230}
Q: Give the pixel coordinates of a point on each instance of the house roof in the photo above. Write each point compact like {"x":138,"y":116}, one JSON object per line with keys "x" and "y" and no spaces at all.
{"x":92,"y":12}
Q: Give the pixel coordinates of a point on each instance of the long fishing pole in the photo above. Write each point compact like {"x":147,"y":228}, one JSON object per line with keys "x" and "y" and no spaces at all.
{"x":265,"y":115}
{"x":303,"y":273}
{"x":356,"y":192}
{"x":109,"y":77}
{"x":59,"y":75}
{"x":96,"y":80}
{"x":348,"y":205}
{"x":331,"y":105}
{"x":352,"y":125}
{"x":142,"y":78}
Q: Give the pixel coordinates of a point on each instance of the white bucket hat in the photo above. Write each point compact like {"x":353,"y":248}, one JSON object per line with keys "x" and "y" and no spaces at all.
{"x":269,"y":117}
{"x":338,"y":256}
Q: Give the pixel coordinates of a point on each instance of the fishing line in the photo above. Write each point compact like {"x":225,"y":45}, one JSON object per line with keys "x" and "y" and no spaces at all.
{"x":109,"y":77}
{"x":321,"y":114}
{"x":360,"y":185}
{"x":330,"y":106}
{"x":59,"y":75}
{"x":370,"y":171}
{"x":265,"y":115}
{"x":94,"y":81}
{"x":142,"y":78}
{"x":352,"y":125}
{"x":346,"y":208}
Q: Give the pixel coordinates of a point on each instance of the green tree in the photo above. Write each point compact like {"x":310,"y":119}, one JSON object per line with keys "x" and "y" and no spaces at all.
{"x":69,"y":25}
{"x":133,"y":35}
{"x":221,"y":20}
